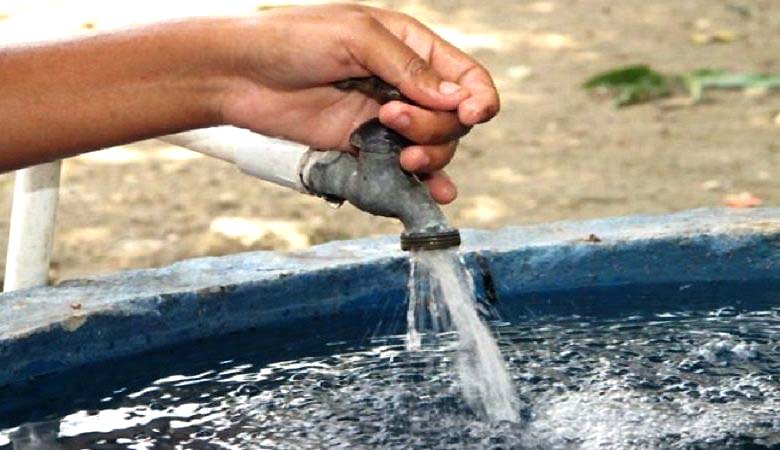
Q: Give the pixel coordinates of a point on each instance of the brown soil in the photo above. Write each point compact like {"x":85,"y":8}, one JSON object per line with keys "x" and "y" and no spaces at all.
{"x":555,"y":152}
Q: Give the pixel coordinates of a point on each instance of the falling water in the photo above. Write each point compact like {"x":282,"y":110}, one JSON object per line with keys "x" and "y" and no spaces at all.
{"x":442,"y":299}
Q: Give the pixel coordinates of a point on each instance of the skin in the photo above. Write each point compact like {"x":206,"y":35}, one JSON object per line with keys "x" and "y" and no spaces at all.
{"x":271,"y":73}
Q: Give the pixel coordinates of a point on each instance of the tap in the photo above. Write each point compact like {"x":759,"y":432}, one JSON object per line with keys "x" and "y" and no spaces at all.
{"x":373,"y":181}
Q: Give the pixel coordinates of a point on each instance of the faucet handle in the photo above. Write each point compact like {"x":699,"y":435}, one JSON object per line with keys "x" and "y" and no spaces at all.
{"x":373,"y":87}
{"x":373,"y":137}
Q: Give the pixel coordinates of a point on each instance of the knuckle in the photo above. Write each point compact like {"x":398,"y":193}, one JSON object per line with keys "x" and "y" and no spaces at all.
{"x":454,"y":130}
{"x":415,"y":66}
{"x":462,"y":131}
{"x":441,"y":155}
{"x":346,"y":8}
{"x":428,"y":136}
{"x":448,"y":154}
{"x":359,"y":28}
{"x":360,"y":19}
{"x":439,"y":163}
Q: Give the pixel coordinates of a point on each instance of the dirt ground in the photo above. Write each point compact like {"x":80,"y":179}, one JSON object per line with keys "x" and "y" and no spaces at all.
{"x":554,"y":153}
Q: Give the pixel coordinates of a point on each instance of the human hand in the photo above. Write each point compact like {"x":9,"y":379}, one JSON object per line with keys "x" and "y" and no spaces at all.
{"x":288,"y":59}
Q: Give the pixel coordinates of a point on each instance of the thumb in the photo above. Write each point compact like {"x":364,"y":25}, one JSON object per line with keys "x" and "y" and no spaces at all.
{"x":385,"y":55}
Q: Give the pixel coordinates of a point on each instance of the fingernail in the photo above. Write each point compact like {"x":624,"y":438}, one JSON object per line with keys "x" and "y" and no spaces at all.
{"x":402,"y":121}
{"x":448,"y":87}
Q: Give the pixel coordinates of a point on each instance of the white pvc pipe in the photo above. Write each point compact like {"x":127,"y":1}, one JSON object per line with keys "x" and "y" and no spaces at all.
{"x":269,"y":159}
{"x":31,"y":235}
{"x":36,"y":192}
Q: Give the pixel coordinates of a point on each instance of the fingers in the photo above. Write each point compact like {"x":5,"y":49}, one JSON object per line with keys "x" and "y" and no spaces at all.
{"x":427,"y":159}
{"x":454,"y":92}
{"x":385,"y":55}
{"x":442,"y":189}
{"x":483,"y":104}
{"x":452,"y":64}
{"x":420,"y":125}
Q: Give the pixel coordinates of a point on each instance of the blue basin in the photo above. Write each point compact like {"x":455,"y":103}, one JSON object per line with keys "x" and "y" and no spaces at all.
{"x":522,"y":270}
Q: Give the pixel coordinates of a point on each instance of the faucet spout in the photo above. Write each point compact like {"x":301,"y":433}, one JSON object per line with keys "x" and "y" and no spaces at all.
{"x":375,"y":183}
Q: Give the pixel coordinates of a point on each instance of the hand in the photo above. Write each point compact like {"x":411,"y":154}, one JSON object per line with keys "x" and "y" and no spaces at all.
{"x":289,"y":58}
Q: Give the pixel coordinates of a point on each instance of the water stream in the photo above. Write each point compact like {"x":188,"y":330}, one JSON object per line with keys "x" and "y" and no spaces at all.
{"x":441,"y":299}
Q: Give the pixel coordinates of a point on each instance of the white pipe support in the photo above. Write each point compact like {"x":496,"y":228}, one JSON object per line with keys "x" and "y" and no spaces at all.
{"x":31,"y":235}
{"x":269,"y":159}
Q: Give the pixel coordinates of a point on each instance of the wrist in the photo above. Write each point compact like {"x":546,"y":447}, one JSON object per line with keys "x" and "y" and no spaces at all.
{"x":239,"y":48}
{"x":210,"y":54}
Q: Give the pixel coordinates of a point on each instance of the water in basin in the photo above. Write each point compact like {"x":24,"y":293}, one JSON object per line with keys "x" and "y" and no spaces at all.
{"x":692,"y":366}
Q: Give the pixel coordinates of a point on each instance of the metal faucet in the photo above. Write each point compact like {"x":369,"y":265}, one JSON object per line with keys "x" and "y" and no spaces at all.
{"x":374,"y":181}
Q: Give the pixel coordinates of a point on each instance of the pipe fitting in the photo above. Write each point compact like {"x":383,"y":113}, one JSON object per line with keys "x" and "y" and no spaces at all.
{"x":375,"y":183}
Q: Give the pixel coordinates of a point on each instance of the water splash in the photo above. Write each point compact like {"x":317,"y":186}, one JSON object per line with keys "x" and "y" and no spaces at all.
{"x":441,"y":299}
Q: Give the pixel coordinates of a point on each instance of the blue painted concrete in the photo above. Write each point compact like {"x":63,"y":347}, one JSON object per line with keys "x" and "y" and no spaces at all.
{"x":84,"y":321}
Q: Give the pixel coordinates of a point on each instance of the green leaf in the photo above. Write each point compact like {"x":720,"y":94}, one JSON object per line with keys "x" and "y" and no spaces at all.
{"x":631,"y":84}
{"x":619,"y":77}
{"x":639,"y":83}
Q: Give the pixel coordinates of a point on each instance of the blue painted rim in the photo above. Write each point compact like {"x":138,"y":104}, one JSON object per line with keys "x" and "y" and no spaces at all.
{"x":79,"y":322}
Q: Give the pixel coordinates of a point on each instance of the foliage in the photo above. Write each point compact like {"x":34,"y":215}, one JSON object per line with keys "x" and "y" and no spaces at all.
{"x":639,"y":83}
{"x":631,"y":84}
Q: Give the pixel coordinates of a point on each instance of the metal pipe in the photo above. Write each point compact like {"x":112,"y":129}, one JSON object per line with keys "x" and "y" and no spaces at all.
{"x":31,"y":235}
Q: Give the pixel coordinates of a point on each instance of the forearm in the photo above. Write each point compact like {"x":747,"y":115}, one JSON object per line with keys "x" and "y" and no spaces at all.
{"x":57,"y":100}
{"x":272,"y":73}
